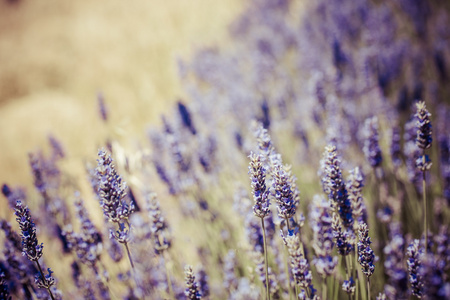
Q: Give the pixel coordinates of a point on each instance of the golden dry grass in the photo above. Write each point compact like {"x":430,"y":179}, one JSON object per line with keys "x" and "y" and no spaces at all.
{"x":56,"y":55}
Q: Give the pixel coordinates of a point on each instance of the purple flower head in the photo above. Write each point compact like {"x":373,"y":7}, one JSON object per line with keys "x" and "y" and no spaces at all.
{"x":366,"y":257}
{"x":321,"y":224}
{"x":102,"y":107}
{"x":30,"y":246}
{"x":397,"y":284}
{"x":45,"y":282}
{"x":349,"y":286}
{"x":203,"y":282}
{"x":344,"y":237}
{"x":355,"y":184}
{"x":159,"y":228}
{"x":299,"y":265}
{"x":395,"y":147}
{"x":334,"y":186}
{"x":230,"y":281}
{"x":192,"y":291}
{"x":259,"y":190}
{"x":57,"y":149}
{"x":283,"y":193}
{"x":111,"y":190}
{"x":186,"y":117}
{"x":414,"y":254}
{"x":371,"y":148}
{"x":424,"y":128}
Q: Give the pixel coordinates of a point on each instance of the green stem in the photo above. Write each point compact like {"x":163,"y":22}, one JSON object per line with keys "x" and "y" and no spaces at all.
{"x":129,"y":255}
{"x":368,"y":288}
{"x":424,"y":193}
{"x":44,"y":280}
{"x":336,"y":288}
{"x":169,"y":282}
{"x":265,"y":259}
{"x":295,"y":283}
{"x":324,"y":288}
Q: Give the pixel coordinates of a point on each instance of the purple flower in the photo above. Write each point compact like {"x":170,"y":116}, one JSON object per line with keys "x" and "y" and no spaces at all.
{"x":414,"y":253}
{"x":424,"y":128}
{"x":397,"y":283}
{"x":299,"y":265}
{"x":192,"y":291}
{"x":371,"y":148}
{"x":366,"y":257}
{"x":111,"y":190}
{"x":30,"y":245}
{"x":334,"y":186}
{"x":321,"y":225}
{"x":354,"y":188}
{"x":283,"y":193}
{"x":259,"y":190}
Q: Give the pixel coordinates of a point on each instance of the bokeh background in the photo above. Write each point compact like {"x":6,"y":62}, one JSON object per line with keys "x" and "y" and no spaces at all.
{"x":56,"y":56}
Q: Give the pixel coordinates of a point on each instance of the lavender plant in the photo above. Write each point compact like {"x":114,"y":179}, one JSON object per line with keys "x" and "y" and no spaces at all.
{"x":365,"y":61}
{"x":31,"y":247}
{"x":112,"y":193}
{"x":423,"y":141}
{"x":261,"y":199}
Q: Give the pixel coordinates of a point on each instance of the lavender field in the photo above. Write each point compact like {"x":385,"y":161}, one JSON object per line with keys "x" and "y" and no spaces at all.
{"x":310,"y":159}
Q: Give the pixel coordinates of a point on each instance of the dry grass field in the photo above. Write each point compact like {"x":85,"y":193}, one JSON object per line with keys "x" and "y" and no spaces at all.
{"x":55,"y":56}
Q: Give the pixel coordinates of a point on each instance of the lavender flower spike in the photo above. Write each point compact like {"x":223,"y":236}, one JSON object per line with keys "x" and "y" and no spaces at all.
{"x":112,"y":190}
{"x":414,"y":264}
{"x":259,"y":190}
{"x":286,"y":203}
{"x":371,"y":148}
{"x":192,"y":291}
{"x":424,"y":128}
{"x":334,"y":186}
{"x":30,"y":245}
{"x":300,"y":267}
{"x":366,"y":257}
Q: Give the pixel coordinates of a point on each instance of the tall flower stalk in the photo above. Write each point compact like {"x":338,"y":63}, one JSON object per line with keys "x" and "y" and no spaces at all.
{"x":366,"y":257}
{"x":31,"y":247}
{"x":261,"y":198}
{"x":111,"y":190}
{"x":423,"y":141}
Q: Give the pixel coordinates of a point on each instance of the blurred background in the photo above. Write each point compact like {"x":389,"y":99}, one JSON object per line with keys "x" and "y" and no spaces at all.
{"x":57,"y":56}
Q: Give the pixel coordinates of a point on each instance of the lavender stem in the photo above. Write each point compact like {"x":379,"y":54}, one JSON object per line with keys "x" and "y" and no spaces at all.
{"x":44,"y":280}
{"x":265,"y":259}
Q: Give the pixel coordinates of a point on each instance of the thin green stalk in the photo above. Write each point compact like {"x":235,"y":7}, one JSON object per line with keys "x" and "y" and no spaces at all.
{"x":295,"y":284}
{"x":368,"y":288}
{"x":265,"y":259}
{"x":126,"y":245}
{"x":287,"y":273}
{"x":356,"y":289}
{"x":324,"y":287}
{"x":129,"y":255}
{"x":169,"y":282}
{"x":336,"y":288}
{"x":424,"y":193}
{"x":44,"y":280}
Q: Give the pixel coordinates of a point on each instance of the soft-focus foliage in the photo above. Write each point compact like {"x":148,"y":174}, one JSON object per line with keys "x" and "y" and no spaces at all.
{"x":325,"y":114}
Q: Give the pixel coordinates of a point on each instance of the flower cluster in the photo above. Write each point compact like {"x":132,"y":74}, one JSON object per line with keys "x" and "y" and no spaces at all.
{"x":424,"y":129}
{"x":112,"y":190}
{"x":259,"y":191}
{"x":335,"y":187}
{"x":192,"y":291}
{"x":371,"y":148}
{"x":284,"y":196}
{"x":366,"y":257}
